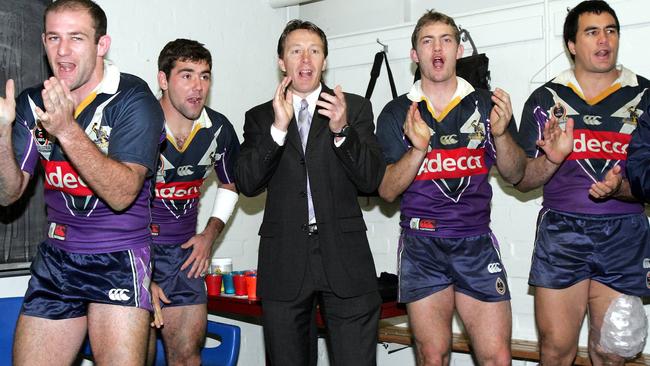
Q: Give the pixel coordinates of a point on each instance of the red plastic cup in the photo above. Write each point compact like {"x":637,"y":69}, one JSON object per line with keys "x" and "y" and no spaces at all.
{"x":239,"y":281}
{"x":213,"y":282}
{"x":251,"y":286}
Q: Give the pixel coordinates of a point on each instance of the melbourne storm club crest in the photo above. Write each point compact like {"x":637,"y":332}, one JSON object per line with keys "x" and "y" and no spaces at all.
{"x":42,"y":139}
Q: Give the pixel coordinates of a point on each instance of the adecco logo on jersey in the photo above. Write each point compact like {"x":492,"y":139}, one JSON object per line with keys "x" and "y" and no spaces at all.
{"x":179,"y":190}
{"x":61,"y":176}
{"x":606,"y":145}
{"x":452,"y":163}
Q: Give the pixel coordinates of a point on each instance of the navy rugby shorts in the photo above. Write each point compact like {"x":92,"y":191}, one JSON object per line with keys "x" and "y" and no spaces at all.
{"x":167,"y":262}
{"x":63,"y":283}
{"x":613,"y":250}
{"x":472,"y":265}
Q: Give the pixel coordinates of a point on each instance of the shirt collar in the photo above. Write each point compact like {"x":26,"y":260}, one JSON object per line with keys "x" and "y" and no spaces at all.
{"x":626,"y":78}
{"x":311,"y":100}
{"x":463,"y":89}
{"x":203,"y":121}
{"x":111,"y":80}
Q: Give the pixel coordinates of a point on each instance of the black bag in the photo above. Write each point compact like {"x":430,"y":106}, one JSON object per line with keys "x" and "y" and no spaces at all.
{"x":376,"y":70}
{"x":387,"y":283}
{"x":474,"y":68}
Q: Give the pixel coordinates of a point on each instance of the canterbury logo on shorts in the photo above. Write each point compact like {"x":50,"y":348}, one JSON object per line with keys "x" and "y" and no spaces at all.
{"x":119,"y":294}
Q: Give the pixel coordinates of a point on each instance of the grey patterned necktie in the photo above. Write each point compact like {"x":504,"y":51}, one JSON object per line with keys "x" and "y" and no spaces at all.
{"x":304,"y":123}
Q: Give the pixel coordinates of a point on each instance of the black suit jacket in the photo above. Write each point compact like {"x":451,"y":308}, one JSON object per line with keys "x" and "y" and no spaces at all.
{"x":336,"y":175}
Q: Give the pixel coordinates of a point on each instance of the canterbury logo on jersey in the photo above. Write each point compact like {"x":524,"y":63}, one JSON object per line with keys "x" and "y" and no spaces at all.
{"x":606,"y":145}
{"x":449,"y":139}
{"x":184,"y":170}
{"x":179,"y":190}
{"x":118,"y":294}
{"x":61,"y":176}
{"x":452,"y":163}
{"x":592,"y":120}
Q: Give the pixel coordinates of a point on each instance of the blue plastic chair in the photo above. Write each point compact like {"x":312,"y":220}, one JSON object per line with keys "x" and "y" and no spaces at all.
{"x":9,"y":311}
{"x":224,"y":354}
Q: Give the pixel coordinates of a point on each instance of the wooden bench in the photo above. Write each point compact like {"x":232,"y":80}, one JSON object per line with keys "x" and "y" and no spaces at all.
{"x":521,"y":349}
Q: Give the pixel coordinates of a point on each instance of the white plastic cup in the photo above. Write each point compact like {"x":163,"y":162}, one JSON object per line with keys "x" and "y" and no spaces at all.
{"x":221,"y":265}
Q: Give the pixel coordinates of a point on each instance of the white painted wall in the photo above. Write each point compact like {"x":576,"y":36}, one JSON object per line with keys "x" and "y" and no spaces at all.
{"x":520,"y":38}
{"x":242,"y":36}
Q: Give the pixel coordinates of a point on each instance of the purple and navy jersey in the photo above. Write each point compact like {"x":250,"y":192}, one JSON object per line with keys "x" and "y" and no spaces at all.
{"x":182,"y":170}
{"x":603,"y":127}
{"x":124,"y":120}
{"x":450,"y":195}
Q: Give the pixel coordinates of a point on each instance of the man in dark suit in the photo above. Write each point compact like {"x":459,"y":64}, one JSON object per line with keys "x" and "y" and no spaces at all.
{"x":313,"y":149}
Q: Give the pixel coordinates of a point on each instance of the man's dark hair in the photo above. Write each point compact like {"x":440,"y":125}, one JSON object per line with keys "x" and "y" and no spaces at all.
{"x":588,"y":6}
{"x":96,"y":13}
{"x":182,"y":50}
{"x":300,"y":24}
{"x":432,"y":16}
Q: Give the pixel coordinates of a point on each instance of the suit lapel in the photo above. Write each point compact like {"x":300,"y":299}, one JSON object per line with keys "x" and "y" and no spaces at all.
{"x":319,"y":123}
{"x":293,"y":136}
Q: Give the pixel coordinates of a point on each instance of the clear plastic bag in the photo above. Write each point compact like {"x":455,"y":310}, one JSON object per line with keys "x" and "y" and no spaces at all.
{"x":625,"y":327}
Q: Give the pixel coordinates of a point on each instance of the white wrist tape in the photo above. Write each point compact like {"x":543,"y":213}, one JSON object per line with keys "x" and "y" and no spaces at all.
{"x":224,"y":204}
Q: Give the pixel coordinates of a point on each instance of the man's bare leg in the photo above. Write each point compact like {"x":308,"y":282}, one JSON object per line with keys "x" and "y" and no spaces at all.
{"x":430,"y":322}
{"x":559,"y":315}
{"x":184,"y":333}
{"x":40,"y":341}
{"x":118,"y":334}
{"x":489,"y":325}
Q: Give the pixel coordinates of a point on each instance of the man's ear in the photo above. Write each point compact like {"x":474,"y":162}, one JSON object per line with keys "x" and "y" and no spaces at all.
{"x":103,"y":44}
{"x":162,"y":81}
{"x":414,"y":56}
{"x":281,"y":65}
{"x":572,"y":47}
{"x":460,"y":51}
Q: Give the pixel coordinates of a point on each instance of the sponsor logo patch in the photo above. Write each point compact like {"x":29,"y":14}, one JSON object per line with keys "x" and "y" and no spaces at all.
{"x":118,"y":294}
{"x":423,"y":224}
{"x":155,"y":229}
{"x":647,"y":280}
{"x":646,"y":263}
{"x":605,"y":145}
{"x":494,"y":267}
{"x":179,"y":190}
{"x":184,"y":170}
{"x":452,"y":163}
{"x":56,"y":231}
{"x":61,"y":176}
{"x":500,"y":286}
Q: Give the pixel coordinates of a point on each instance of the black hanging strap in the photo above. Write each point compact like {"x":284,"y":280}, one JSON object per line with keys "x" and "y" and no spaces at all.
{"x":376,"y":70}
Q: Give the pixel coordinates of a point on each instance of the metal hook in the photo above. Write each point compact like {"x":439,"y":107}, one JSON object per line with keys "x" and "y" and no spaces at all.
{"x":383,"y":45}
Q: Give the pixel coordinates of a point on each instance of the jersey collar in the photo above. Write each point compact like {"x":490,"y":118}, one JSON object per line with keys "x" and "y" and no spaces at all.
{"x":463,"y":89}
{"x":626,"y":78}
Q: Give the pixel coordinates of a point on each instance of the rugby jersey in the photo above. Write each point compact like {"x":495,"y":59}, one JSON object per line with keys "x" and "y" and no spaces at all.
{"x":125,"y":121}
{"x":603,"y":127}
{"x":212,"y":144}
{"x":450,"y":195}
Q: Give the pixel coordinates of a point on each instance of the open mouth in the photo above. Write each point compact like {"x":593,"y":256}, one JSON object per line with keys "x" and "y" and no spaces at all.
{"x":194,"y":100}
{"x":305,"y":73}
{"x":603,"y":53}
{"x":438,"y":62}
{"x":66,"y":67}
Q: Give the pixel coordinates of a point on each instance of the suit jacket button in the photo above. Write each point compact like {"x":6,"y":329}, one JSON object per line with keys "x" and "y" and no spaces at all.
{"x":302,"y":161}
{"x":303,"y":194}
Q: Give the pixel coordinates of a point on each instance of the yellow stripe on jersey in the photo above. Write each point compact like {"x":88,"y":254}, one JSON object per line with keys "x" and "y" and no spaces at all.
{"x":439,"y":117}
{"x":598,"y":98}
{"x":84,"y":103}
